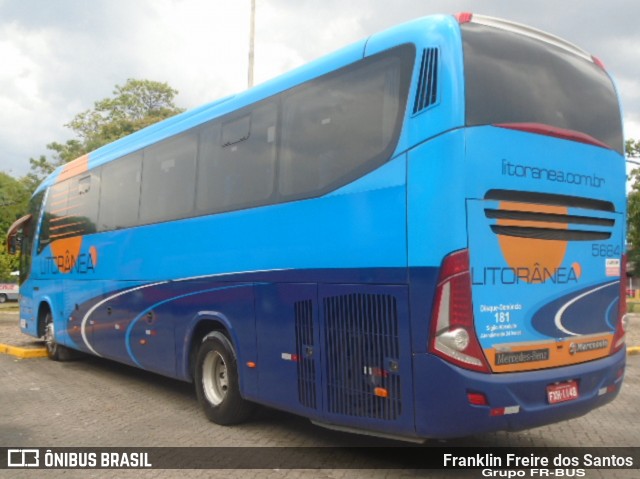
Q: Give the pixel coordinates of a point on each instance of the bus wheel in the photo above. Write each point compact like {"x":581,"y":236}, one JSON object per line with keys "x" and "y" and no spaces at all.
{"x":3,"y":298}
{"x":55,"y":351}
{"x":216,"y":381}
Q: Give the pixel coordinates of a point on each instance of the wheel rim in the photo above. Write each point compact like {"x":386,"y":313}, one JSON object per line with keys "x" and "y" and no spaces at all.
{"x":215,"y":381}
{"x":49,"y":337}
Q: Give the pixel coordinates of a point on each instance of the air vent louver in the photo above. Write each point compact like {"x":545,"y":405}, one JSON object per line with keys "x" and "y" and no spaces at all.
{"x":427,"y":92}
{"x":304,"y":350}
{"x":545,"y":216}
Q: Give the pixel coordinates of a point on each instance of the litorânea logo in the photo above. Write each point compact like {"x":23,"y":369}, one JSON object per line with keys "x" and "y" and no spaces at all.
{"x":531,"y":259}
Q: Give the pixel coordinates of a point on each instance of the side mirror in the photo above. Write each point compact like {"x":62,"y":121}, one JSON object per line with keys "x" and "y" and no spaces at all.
{"x":14,"y":235}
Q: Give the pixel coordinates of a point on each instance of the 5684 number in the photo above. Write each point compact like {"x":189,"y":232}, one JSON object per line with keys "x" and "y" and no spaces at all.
{"x":605,"y":250}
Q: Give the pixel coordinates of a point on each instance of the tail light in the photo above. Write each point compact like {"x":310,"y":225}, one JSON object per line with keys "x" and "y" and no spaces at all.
{"x":598,"y":62}
{"x":463,"y":17}
{"x":548,"y":130}
{"x":619,"y":335}
{"x":453,"y":335}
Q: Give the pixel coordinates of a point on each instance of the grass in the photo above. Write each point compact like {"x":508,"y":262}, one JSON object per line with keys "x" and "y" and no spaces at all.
{"x":633,"y":306}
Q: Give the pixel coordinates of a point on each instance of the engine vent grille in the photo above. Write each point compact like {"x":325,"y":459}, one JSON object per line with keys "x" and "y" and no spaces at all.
{"x":304,"y":350}
{"x":362,"y":355}
{"x":427,"y":92}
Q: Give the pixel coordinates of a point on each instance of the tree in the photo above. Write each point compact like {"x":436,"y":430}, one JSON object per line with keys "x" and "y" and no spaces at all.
{"x":134,"y":105}
{"x":14,"y":197}
{"x":632,"y":150}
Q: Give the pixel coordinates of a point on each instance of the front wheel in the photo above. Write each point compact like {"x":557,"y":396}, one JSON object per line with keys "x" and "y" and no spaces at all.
{"x":55,"y":351}
{"x":3,"y":297}
{"x":216,"y":381}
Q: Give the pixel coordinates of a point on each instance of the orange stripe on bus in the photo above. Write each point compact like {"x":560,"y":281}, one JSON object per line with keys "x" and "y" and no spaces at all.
{"x":77,"y":166}
{"x":53,"y":228}
{"x":67,"y":234}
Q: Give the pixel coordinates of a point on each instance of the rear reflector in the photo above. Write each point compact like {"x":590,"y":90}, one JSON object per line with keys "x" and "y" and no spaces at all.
{"x":477,"y":399}
{"x":381,"y":392}
{"x":504,"y":411}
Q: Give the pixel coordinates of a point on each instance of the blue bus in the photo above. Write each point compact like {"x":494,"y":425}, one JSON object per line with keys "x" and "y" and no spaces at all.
{"x":420,"y":235}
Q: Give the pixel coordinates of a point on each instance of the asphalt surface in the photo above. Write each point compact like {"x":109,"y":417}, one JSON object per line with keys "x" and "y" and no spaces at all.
{"x":98,"y":403}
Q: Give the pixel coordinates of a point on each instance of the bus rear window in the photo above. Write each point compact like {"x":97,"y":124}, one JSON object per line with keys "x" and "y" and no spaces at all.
{"x":513,"y":78}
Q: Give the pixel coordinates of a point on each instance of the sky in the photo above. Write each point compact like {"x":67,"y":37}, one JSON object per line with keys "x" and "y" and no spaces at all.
{"x":59,"y":57}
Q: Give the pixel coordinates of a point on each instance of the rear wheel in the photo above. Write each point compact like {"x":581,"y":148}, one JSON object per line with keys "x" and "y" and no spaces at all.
{"x":3,"y":297}
{"x":216,"y":381}
{"x":55,"y":351}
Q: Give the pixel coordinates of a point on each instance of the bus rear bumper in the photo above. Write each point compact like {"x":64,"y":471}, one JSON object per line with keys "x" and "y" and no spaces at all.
{"x":516,"y":401}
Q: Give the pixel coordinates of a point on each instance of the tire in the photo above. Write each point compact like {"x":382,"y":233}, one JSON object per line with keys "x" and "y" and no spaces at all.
{"x":3,"y":298}
{"x":216,"y":382}
{"x":55,"y":351}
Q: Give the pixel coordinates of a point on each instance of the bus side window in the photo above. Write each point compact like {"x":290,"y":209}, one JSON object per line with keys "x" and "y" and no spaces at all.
{"x":86,"y":194}
{"x":209,"y":157}
{"x":54,"y":212}
{"x":168,"y":179}
{"x":120,"y":193}
{"x":337,"y":128}
{"x":72,"y":209}
{"x":237,"y":161}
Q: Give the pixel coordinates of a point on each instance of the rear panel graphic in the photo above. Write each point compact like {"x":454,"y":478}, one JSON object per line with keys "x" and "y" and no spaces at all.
{"x":545,"y":272}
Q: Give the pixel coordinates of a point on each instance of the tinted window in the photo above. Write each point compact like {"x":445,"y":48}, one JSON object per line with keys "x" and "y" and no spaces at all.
{"x":236,"y":130}
{"x":237,"y":161}
{"x":342,"y":125}
{"x":512,"y":78}
{"x":28,"y":233}
{"x":168,"y":179}
{"x":72,"y":209}
{"x":120,"y":193}
{"x":334,"y":129}
{"x":84,"y":190}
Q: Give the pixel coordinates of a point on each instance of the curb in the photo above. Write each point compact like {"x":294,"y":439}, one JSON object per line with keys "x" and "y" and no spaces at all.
{"x":23,"y":353}
{"x":633,"y":350}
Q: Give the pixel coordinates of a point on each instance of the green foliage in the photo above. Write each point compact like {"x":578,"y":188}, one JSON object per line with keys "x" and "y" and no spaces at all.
{"x":134,"y":105}
{"x":632,"y":150}
{"x":14,"y":197}
{"x":8,"y":263}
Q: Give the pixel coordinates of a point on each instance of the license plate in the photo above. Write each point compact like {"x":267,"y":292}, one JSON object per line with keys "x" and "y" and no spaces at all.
{"x":563,"y":392}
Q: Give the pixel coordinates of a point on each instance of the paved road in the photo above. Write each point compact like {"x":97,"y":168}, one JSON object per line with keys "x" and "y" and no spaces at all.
{"x":98,"y":403}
